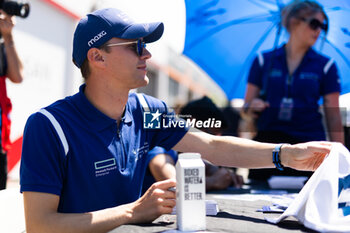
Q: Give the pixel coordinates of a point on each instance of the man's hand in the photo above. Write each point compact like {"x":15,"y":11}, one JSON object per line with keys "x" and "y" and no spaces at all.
{"x":156,"y":201}
{"x":305,"y":156}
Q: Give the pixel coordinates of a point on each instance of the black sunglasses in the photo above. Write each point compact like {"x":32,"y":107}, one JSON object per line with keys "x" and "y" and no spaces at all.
{"x":314,"y":24}
{"x":139,"y":45}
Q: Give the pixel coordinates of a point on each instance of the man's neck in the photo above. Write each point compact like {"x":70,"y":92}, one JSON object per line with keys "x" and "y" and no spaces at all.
{"x":109,"y":100}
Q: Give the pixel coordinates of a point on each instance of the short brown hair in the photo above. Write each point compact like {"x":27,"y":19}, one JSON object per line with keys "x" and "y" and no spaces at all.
{"x":85,"y":68}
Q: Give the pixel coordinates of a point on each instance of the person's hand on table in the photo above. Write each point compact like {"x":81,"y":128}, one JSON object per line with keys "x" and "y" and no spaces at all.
{"x":222,"y":179}
{"x":156,"y":201}
{"x":237,"y":180}
{"x":305,"y":156}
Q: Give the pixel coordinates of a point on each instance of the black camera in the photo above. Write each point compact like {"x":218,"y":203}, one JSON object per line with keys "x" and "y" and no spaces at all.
{"x":15,"y":8}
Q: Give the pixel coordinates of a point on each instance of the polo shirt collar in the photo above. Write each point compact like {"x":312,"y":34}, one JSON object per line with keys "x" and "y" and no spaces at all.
{"x":311,"y":54}
{"x":127,"y":117}
{"x":281,"y":51}
{"x":96,"y":119}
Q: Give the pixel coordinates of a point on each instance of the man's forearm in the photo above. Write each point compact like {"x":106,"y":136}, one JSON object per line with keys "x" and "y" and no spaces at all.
{"x":42,"y":216}
{"x":98,"y":221}
{"x":239,"y":152}
{"x":228,"y":151}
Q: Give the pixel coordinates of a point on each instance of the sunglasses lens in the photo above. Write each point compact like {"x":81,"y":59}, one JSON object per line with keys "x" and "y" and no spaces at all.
{"x":315,"y":24}
{"x":140,"y":46}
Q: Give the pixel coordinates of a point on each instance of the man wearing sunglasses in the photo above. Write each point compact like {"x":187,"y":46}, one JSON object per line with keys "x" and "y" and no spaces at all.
{"x":84,"y":157}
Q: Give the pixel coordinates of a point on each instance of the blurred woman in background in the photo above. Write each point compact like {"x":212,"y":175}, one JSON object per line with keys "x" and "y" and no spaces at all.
{"x":286,"y":84}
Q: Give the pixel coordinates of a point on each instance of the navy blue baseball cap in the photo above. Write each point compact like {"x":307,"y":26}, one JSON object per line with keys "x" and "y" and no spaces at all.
{"x":102,"y":25}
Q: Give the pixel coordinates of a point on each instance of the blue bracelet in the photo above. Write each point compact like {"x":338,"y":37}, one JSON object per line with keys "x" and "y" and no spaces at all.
{"x":276,"y":157}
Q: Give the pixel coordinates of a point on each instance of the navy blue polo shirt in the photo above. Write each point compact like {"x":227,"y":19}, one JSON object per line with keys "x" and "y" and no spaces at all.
{"x":315,"y":77}
{"x":106,"y":162}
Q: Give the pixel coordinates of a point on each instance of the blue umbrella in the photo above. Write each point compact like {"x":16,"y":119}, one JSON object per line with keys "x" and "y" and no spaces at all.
{"x":224,"y":36}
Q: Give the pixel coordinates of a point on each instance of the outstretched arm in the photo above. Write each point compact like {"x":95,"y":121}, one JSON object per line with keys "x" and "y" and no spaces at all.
{"x":239,"y":152}
{"x":41,"y":212}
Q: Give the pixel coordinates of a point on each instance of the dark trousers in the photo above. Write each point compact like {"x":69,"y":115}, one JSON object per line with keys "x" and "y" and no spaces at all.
{"x":3,"y":170}
{"x":275,"y":137}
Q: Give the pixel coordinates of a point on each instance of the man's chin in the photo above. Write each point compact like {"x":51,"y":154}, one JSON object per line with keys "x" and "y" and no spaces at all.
{"x":146,"y":80}
{"x":143,"y":83}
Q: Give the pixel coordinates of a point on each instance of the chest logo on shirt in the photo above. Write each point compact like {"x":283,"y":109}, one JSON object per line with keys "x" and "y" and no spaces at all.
{"x":275,"y":73}
{"x":140,"y":152}
{"x":309,"y":76}
{"x":104,"y":167}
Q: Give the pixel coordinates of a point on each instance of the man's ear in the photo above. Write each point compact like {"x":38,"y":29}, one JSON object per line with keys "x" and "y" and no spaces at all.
{"x":95,"y":57}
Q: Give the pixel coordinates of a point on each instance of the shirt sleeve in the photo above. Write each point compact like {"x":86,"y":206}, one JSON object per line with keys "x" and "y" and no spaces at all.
{"x":160,"y":150}
{"x":43,"y":158}
{"x":331,"y":81}
{"x":255,"y":73}
{"x":154,"y":152}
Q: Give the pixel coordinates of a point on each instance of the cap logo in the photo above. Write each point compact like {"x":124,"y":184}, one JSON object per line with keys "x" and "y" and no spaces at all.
{"x":96,"y":38}
{"x":124,"y":17}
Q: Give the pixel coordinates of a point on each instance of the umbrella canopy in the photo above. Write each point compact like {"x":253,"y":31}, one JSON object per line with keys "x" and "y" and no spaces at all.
{"x":224,"y":36}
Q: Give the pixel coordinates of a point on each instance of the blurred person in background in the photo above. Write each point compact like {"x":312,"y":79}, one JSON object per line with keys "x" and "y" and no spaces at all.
{"x":11,"y":68}
{"x":285,"y":86}
{"x":203,"y":109}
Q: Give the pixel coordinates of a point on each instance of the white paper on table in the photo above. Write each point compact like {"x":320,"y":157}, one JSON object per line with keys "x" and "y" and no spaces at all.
{"x":279,"y":203}
{"x":287,"y":182}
